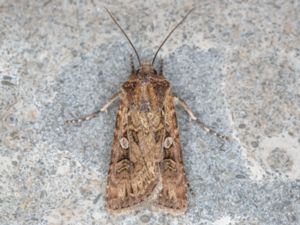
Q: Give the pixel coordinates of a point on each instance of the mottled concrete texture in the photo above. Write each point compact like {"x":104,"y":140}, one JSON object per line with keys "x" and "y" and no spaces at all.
{"x":237,"y":64}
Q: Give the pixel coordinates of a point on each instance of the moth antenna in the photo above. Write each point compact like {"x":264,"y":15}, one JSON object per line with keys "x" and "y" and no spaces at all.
{"x":170,"y":34}
{"x":114,"y":19}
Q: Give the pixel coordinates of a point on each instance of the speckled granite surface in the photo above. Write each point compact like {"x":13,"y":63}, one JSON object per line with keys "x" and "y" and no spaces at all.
{"x":236,"y":63}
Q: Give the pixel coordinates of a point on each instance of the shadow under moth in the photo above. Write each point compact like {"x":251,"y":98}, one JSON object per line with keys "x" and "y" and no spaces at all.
{"x":146,"y":165}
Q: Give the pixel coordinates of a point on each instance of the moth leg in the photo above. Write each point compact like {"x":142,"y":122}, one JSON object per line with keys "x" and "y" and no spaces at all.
{"x":206,"y":128}
{"x":182,"y":103}
{"x":110,"y":101}
{"x":95,"y":114}
{"x":190,"y":188}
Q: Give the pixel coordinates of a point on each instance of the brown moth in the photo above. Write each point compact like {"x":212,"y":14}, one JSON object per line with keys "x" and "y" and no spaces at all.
{"x":146,"y":165}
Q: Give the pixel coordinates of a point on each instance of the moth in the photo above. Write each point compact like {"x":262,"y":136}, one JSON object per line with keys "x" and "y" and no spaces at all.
{"x":146,"y":166}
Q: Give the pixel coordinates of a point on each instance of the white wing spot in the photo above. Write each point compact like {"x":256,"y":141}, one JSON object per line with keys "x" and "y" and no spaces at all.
{"x":124,"y":143}
{"x":168,"y":142}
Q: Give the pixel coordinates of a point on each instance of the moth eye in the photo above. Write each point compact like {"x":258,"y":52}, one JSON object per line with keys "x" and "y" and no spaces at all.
{"x":168,"y":142}
{"x":124,"y":143}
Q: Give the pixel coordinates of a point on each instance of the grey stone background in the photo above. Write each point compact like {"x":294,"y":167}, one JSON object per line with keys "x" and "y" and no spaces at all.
{"x":237,"y":63}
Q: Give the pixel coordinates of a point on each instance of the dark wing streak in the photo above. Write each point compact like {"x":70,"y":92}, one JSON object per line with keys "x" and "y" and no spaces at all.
{"x":173,"y":198}
{"x":129,"y":187}
{"x":117,"y":182}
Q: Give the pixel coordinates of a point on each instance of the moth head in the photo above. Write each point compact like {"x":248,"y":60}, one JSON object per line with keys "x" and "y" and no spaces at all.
{"x":146,"y":69}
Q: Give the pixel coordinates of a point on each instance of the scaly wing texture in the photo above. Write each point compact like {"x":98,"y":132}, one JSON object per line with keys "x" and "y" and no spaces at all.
{"x":133,"y":173}
{"x":173,"y":196}
{"x":146,"y":161}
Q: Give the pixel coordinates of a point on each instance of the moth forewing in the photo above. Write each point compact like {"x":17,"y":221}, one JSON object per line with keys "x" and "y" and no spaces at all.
{"x":146,"y":161}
